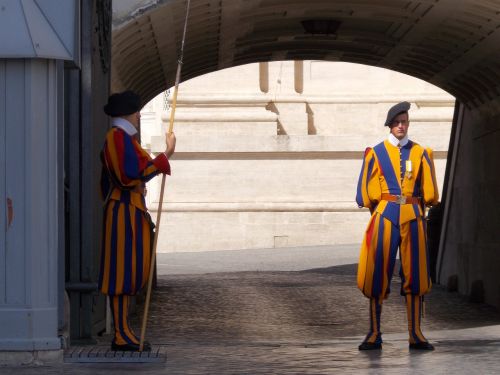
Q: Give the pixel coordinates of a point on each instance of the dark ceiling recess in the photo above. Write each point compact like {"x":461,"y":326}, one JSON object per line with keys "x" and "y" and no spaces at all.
{"x":320,"y":27}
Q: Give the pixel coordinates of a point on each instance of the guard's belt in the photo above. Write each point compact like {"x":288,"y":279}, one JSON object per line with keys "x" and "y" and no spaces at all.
{"x":400,"y":199}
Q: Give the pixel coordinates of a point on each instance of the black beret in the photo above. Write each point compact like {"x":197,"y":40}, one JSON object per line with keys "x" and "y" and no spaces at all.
{"x":395,"y":110}
{"x":123,"y":104}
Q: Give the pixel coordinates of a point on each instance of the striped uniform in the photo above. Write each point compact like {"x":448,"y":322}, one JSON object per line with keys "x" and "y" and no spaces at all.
{"x":127,"y":229}
{"x":394,"y":225}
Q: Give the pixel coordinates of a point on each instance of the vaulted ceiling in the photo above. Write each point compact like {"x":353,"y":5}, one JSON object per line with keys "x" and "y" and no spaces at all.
{"x":454,"y":44}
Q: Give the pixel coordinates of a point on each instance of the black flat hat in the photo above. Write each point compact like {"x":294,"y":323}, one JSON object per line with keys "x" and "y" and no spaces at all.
{"x":395,"y":110}
{"x":123,"y":104}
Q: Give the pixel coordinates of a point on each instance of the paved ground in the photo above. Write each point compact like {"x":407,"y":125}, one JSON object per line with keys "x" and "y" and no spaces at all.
{"x":280,"y":259}
{"x":304,"y":320}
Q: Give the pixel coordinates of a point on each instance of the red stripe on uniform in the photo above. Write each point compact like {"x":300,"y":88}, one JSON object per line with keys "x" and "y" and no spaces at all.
{"x":120,"y":151}
{"x":369,"y":233}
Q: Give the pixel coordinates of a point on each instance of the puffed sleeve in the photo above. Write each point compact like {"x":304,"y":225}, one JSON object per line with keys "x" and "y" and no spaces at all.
{"x":368,"y":191}
{"x":430,"y":191}
{"x":128,"y":162}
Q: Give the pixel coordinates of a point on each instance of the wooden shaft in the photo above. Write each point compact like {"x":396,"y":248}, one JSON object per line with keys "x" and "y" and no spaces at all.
{"x":152,"y":266}
{"x":157,"y":227}
{"x":160,"y":204}
{"x":174,"y":98}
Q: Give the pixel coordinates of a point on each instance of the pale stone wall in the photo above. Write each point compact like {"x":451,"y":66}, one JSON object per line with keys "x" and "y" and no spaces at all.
{"x":269,"y":154}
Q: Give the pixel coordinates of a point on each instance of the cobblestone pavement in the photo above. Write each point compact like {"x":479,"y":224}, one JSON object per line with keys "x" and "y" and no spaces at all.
{"x":301,"y":322}
{"x":311,"y":305}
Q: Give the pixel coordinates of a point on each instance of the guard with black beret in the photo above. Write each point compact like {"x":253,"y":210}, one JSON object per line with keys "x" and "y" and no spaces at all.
{"x":397,"y":180}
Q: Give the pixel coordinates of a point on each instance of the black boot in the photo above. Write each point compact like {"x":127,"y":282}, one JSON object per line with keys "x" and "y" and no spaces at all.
{"x":424,"y":345}
{"x":370,"y":346}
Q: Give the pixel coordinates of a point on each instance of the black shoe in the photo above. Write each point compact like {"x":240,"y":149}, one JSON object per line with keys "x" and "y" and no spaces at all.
{"x":422,"y":346}
{"x":130,"y":347}
{"x":370,"y":346}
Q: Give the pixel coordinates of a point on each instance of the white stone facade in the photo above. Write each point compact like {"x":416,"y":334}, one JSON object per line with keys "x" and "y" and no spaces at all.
{"x":268,"y":155}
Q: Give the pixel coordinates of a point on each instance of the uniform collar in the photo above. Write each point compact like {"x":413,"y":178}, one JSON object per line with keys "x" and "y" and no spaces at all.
{"x":125,"y":125}
{"x":395,"y":142}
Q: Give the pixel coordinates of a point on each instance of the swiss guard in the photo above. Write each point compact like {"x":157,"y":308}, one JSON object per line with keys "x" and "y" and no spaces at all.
{"x":396,"y":183}
{"x":128,"y":229}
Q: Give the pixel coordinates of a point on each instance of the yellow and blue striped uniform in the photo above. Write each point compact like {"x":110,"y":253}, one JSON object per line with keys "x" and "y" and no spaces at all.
{"x":393,"y":225}
{"x":127,"y":228}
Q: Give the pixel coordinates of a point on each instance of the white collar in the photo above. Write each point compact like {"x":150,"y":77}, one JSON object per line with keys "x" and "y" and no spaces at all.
{"x":395,"y":142}
{"x":125,"y":125}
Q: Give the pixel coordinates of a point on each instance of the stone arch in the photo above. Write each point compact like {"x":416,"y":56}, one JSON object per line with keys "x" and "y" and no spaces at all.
{"x":302,"y":148}
{"x":452,"y":44}
{"x":447,"y":43}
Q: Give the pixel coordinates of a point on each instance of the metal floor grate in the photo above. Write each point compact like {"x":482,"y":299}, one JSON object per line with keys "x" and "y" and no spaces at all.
{"x":103,"y":354}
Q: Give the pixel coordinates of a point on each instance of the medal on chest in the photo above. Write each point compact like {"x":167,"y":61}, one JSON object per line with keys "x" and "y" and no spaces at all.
{"x":408,"y":172}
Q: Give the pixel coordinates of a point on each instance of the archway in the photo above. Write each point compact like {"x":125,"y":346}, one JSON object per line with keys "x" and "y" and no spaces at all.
{"x":450,"y":44}
{"x":269,"y":154}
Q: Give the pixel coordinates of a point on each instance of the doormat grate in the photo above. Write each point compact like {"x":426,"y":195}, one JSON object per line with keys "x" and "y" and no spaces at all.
{"x":102,"y":354}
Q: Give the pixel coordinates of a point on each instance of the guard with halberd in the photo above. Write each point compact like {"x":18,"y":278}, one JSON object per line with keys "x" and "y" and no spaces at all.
{"x":128,"y":230}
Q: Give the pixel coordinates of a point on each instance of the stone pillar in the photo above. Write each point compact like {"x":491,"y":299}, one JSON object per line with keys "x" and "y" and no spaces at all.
{"x":470,"y":239}
{"x":28,"y":205}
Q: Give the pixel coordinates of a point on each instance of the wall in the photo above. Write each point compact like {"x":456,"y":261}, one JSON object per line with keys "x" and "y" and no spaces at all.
{"x":269,"y":154}
{"x":29,"y":179}
{"x":86,"y":124}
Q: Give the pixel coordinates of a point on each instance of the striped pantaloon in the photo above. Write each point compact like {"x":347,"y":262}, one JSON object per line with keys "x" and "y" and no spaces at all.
{"x":376,"y":266}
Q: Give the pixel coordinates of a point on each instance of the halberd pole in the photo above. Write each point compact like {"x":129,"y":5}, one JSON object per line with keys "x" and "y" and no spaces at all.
{"x":162,"y":190}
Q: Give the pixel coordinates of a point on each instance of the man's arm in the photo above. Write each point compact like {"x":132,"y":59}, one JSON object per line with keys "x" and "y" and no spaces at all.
{"x":368,"y":188}
{"x":430,"y":193}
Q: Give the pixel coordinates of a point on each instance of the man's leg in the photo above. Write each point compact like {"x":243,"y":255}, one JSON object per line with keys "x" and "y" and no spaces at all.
{"x":373,"y":339}
{"x":381,"y":242}
{"x":124,"y":339}
{"x":120,"y":310}
{"x":415,"y":278}
{"x":414,"y":313}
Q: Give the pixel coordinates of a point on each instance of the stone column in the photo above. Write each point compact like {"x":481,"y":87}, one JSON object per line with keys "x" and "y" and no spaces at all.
{"x":29,"y":192}
{"x":470,"y":239}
